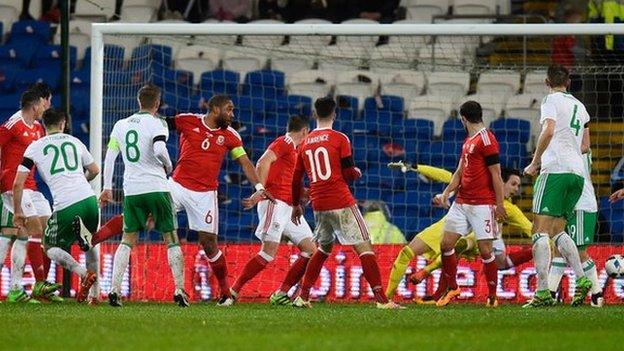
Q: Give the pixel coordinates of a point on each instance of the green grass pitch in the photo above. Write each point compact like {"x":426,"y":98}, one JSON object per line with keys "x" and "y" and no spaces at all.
{"x":325,"y":327}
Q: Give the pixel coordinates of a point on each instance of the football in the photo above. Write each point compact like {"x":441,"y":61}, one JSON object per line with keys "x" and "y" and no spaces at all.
{"x":615,"y":266}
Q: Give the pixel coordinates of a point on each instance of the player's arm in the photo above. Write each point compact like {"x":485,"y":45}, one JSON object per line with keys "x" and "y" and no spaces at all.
{"x":616,"y":196}
{"x":88,"y":164}
{"x":347,"y":164}
{"x":112,"y":151}
{"x":516,"y":218}
{"x":264,"y":165}
{"x":159,"y":143}
{"x":585,"y":143}
{"x":441,"y":200}
{"x":250,"y":172}
{"x":435,"y":173}
{"x":18,"y":189}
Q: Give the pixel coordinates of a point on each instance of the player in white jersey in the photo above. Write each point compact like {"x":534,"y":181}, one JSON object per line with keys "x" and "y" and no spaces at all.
{"x":61,"y":160}
{"x":141,"y":139}
{"x":559,"y":186}
{"x":582,"y":228}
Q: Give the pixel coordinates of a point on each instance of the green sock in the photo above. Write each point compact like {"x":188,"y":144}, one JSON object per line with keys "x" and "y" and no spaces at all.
{"x":398,"y":270}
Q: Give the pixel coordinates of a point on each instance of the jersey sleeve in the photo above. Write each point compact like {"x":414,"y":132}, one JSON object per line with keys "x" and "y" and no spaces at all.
{"x":435,"y":173}
{"x":86,"y":157}
{"x":490,"y":146}
{"x":278,"y":147}
{"x":113,"y":141}
{"x":28,"y":160}
{"x":548,"y":111}
{"x":516,"y":218}
{"x":235,"y":144}
{"x":5,"y":135}
{"x":159,"y":129}
{"x":345,"y":146}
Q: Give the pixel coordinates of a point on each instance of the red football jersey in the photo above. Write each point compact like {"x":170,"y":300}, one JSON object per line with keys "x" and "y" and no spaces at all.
{"x":320,"y":155}
{"x":279,"y":180}
{"x":15,"y":136}
{"x":202,"y":150}
{"x":476,"y":182}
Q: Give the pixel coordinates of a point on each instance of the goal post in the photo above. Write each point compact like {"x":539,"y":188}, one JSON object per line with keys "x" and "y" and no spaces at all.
{"x":398,"y":87}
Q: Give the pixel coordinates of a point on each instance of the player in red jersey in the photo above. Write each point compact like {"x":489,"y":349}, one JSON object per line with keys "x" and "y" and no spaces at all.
{"x":325,"y":156}
{"x":204,"y":142}
{"x":478,"y":206}
{"x":275,"y":169}
{"x":15,"y":135}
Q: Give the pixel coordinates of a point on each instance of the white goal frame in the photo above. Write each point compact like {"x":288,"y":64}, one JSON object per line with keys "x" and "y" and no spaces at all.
{"x":163,"y":29}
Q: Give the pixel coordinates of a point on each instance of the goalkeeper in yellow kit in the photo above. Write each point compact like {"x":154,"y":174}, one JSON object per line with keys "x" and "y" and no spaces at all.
{"x":427,"y":242}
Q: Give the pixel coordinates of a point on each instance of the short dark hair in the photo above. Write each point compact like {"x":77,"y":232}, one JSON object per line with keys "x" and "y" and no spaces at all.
{"x":471,"y":111}
{"x":29,"y":98}
{"x":42,"y":89}
{"x":53,"y":117}
{"x":149,"y":95}
{"x":506,"y":173}
{"x":324,"y":107}
{"x":297,"y":123}
{"x":558,"y":75}
{"x":218,"y":101}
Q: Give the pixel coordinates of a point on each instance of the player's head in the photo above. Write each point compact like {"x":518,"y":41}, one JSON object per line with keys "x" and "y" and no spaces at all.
{"x":54,"y":119}
{"x":325,"y":109}
{"x":298,"y":125}
{"x":31,"y":102}
{"x":511,"y":181}
{"x":149,"y":97}
{"x":558,"y":77}
{"x":44,"y":92}
{"x":471,"y":112}
{"x":222,"y":108}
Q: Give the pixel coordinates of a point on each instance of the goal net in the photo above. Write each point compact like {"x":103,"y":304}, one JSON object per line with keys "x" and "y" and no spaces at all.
{"x":398,"y":89}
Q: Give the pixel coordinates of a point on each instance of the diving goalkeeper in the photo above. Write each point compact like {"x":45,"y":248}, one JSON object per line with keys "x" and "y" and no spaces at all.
{"x":427,"y":242}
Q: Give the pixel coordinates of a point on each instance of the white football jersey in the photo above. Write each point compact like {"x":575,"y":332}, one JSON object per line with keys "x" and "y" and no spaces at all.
{"x":60,"y":160}
{"x":587,"y":202}
{"x":134,"y":136}
{"x":563,"y":154}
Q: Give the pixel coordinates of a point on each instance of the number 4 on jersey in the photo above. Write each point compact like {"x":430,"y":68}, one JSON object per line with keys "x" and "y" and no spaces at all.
{"x":575,"y":123}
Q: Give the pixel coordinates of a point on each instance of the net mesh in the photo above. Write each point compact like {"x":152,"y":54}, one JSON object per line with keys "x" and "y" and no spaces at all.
{"x":397,"y":100}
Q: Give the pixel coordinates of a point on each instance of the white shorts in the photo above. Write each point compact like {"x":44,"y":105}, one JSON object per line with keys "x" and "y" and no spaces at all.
{"x":464,"y":218}
{"x":346,"y":224}
{"x":499,"y":247}
{"x":34,"y":204}
{"x":202,"y":207}
{"x":275,"y":220}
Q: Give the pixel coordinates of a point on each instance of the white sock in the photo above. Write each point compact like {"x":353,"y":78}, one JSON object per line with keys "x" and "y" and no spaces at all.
{"x":541,"y":258}
{"x":557,"y":268}
{"x":18,"y":257}
{"x":176,"y":262}
{"x":5,"y":243}
{"x":120,"y":264}
{"x":66,"y":260}
{"x":592,"y":274}
{"x":93,"y":265}
{"x":567,"y":248}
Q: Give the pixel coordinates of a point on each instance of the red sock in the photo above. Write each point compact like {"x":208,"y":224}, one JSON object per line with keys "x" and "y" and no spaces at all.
{"x":254,"y":266}
{"x":312,"y":272}
{"x":449,"y":270}
{"x":295,"y":273}
{"x":35,"y":255}
{"x":441,"y":290}
{"x":519,"y":257}
{"x":112,"y":228}
{"x":491,"y":275}
{"x":372,"y":275}
{"x":219,"y":268}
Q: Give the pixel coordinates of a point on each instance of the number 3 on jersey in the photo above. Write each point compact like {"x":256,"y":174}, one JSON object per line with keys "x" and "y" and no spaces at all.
{"x":315,"y":164}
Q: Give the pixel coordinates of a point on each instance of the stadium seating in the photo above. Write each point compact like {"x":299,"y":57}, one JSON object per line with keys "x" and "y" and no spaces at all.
{"x":30,"y":32}
{"x":534,"y":83}
{"x":499,"y":82}
{"x":423,"y":11}
{"x":435,"y":108}
{"x":49,"y":56}
{"x":474,"y":7}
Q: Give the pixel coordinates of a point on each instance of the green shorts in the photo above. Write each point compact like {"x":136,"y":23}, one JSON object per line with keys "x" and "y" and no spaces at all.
{"x":60,"y":233}
{"x":582,"y":227}
{"x":6,"y":218}
{"x":556,"y":194}
{"x":137,"y":209}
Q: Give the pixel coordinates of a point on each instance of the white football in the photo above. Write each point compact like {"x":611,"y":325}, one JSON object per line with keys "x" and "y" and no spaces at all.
{"x":615,"y":266}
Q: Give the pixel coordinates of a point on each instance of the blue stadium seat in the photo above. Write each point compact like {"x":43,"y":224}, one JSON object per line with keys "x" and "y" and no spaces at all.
{"x":350,"y":103}
{"x":299,"y":105}
{"x":49,"y":56}
{"x":113,"y":58}
{"x":28,"y":77}
{"x":219,"y":81}
{"x":151,"y":53}
{"x":7,"y":80}
{"x":511,"y":129}
{"x":267,"y":83}
{"x":278,"y":121}
{"x":80,"y":78}
{"x":30,"y":32}
{"x":16,"y":56}
{"x":453,"y":129}
{"x":9,"y":104}
{"x":388,"y":103}
{"x":80,"y":101}
{"x":177,"y":82}
{"x":345,"y":114}
{"x":375,"y":120}
{"x":181,"y":104}
{"x":362,"y":193}
{"x":513,"y":154}
{"x":409,"y":128}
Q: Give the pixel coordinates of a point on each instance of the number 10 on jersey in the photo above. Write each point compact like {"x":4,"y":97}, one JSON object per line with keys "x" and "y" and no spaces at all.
{"x":316,"y":157}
